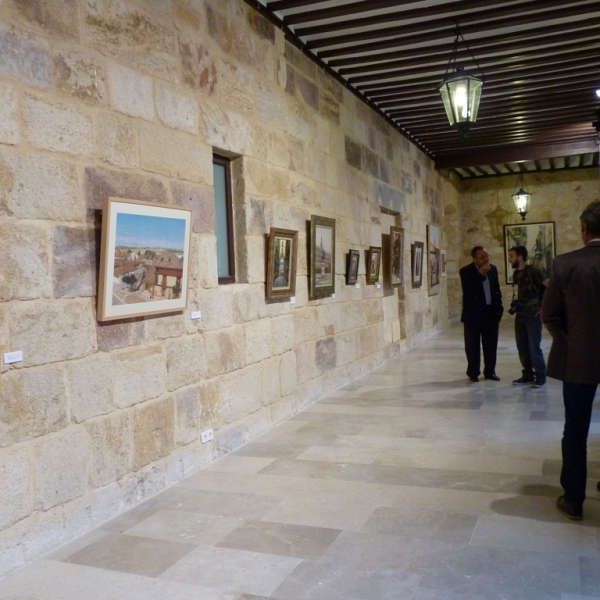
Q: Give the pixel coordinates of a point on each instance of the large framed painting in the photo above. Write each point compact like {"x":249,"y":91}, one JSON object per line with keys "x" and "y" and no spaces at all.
{"x":373,"y":264}
{"x":416,"y":264}
{"x":322,"y":257}
{"x":144,"y":259}
{"x":352,"y":267}
{"x":540,"y":241}
{"x":396,"y":256}
{"x":281,"y":263}
{"x":434,"y":258}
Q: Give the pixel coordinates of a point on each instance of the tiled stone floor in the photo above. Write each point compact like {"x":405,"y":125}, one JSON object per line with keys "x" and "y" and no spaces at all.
{"x":411,"y":483}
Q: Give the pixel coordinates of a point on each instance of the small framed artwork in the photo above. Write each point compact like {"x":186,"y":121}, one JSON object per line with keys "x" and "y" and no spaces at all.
{"x":540,"y":241}
{"x":352,"y":267}
{"x":396,"y":256}
{"x":322,"y":257}
{"x":443,"y":263}
{"x":281,"y":263}
{"x":434,"y":257}
{"x":144,"y":259}
{"x":373,"y":264}
{"x":416,"y":264}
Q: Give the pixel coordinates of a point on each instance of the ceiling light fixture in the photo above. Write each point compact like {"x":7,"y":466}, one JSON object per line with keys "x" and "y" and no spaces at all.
{"x":521,"y":197}
{"x":461,"y":91}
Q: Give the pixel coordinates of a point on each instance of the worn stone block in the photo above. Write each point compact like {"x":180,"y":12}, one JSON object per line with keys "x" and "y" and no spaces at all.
{"x":188,"y":16}
{"x":16,"y":491}
{"x":110,"y":445}
{"x":153,"y":431}
{"x":39,"y":187}
{"x":245,"y":299}
{"x":162,"y":327}
{"x":287,"y":373}
{"x":305,"y":362}
{"x":216,"y":306}
{"x":226,"y":350}
{"x":201,"y":199}
{"x":353,"y":153}
{"x":119,"y":334}
{"x":271,"y":383}
{"x":282,"y":334}
{"x":258,"y":336}
{"x":10,"y":126}
{"x":300,"y":61}
{"x":100,"y":182}
{"x":187,"y":424}
{"x":325,"y":354}
{"x":24,"y":57}
{"x":52,"y":331}
{"x":74,"y":262}
{"x":241,"y":393}
{"x":60,"y":467}
{"x":186,"y":361}
{"x":25,"y":272}
{"x":79,"y":74}
{"x":175,"y":154}
{"x":58,"y":127}
{"x":204,"y":271}
{"x":306,"y":325}
{"x":117,"y":140}
{"x":264,"y":180}
{"x":176,"y":109}
{"x":139,"y":375}
{"x":57,"y":17}
{"x":265,"y":29}
{"x":346,"y":345}
{"x":233,"y":40}
{"x":226,"y":130}
{"x":133,"y":36}
{"x":236,"y":87}
{"x":211,"y":407}
{"x":198,"y":66}
{"x":131,"y":92}
{"x":90,"y":386}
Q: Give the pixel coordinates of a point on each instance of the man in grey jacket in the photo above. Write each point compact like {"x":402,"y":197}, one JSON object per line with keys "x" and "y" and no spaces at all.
{"x":571,"y":312}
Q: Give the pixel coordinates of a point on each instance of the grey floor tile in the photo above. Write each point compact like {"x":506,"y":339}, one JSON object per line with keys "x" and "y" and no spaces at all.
{"x":590,"y":575}
{"x":282,"y":539}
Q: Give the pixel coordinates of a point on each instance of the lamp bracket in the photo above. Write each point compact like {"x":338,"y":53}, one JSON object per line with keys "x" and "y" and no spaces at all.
{"x":452,"y":62}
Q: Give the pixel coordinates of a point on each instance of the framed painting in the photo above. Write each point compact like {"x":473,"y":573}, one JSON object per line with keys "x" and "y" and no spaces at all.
{"x":373,"y":264}
{"x":144,"y":259}
{"x":322,"y":257}
{"x":443,"y":263}
{"x":416,"y":264}
{"x":540,"y":241}
{"x":396,"y":256}
{"x":281,"y":263}
{"x":434,"y":258}
{"x":352,"y":263}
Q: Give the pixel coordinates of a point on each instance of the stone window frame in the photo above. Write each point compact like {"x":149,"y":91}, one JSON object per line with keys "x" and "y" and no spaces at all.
{"x":226,"y":163}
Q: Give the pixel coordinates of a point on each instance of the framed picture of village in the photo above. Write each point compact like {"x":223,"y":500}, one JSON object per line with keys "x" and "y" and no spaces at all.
{"x":144,"y":259}
{"x":322,"y":257}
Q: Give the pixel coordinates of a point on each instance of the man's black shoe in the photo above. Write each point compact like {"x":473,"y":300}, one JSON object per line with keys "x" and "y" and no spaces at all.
{"x":474,"y":379}
{"x":493,"y":377}
{"x":538,"y":383}
{"x":570,"y":511}
{"x":522,"y":381}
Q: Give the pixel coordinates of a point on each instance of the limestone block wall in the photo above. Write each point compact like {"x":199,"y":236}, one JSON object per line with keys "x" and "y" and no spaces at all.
{"x":131,"y":99}
{"x":558,"y":196}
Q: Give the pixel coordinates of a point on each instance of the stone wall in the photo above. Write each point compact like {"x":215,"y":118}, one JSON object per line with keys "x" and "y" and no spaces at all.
{"x":485,"y":204}
{"x":130,"y":99}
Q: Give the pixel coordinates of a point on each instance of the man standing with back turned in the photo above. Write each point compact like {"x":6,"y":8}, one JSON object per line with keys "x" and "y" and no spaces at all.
{"x":481,"y":313}
{"x":571,"y":312}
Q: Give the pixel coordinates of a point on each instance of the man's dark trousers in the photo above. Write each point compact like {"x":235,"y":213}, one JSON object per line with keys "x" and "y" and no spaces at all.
{"x":528,"y":335}
{"x":578,"y":399}
{"x":484,"y":331}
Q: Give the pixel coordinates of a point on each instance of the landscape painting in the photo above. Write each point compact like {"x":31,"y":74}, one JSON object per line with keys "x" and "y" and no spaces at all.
{"x":322,"y":257}
{"x":144,"y":259}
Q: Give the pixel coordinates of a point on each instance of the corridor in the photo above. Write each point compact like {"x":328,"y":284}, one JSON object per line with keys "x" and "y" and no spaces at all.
{"x":409,"y":484}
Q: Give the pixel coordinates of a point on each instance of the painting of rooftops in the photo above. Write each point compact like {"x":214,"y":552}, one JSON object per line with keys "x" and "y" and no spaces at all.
{"x":146,"y":260}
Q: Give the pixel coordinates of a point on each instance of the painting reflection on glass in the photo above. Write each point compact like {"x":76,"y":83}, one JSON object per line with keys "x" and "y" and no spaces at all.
{"x":352,"y":267}
{"x":281,"y":263}
{"x":373,"y":263}
{"x":434,"y":256}
{"x":322,"y":257}
{"x":539,"y":240}
{"x":416,"y":256}
{"x":396,"y":255}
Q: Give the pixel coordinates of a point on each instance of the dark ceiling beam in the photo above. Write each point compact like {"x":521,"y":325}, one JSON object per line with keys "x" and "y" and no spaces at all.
{"x":496,"y":170}
{"x":290,"y":4}
{"x":507,"y":155}
{"x":490,"y":45}
{"x":435,"y":30}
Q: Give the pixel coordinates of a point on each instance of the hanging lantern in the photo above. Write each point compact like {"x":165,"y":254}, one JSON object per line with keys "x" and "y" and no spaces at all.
{"x":460,"y":92}
{"x":521,"y":197}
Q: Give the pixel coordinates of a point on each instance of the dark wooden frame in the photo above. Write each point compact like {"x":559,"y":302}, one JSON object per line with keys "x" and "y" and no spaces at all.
{"x":290,"y":290}
{"x":541,"y":258}
{"x":152,"y":298}
{"x":320,"y":291}
{"x":226,"y":163}
{"x":352,"y":264}
{"x":396,"y":256}
{"x":416,"y":260}
{"x":371,"y":252}
{"x":434,"y":254}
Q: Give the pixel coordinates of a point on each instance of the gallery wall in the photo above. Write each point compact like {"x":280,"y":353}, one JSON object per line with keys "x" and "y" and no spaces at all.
{"x":131,"y":99}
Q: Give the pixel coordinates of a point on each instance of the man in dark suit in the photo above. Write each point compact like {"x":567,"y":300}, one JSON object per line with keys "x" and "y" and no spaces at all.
{"x":481,"y":313}
{"x":571,"y":312}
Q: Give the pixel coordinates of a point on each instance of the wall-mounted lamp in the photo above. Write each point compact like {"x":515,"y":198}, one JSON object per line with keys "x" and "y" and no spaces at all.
{"x":521,"y":197}
{"x":461,"y":91}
